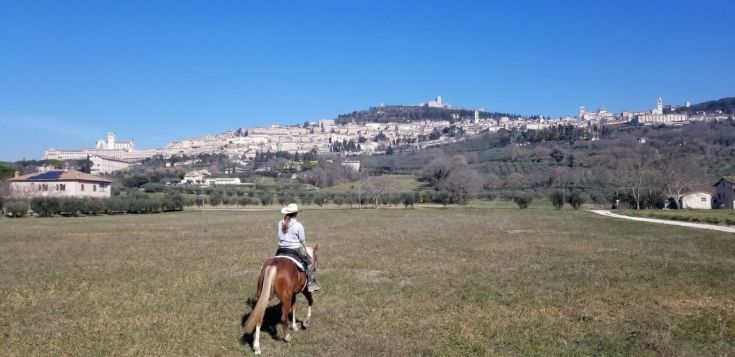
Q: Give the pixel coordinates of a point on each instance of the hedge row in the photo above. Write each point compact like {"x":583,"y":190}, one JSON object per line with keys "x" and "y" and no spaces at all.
{"x":139,"y":203}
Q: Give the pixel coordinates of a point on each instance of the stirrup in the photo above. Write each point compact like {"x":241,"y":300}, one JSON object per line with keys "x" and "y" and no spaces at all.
{"x":312,"y":287}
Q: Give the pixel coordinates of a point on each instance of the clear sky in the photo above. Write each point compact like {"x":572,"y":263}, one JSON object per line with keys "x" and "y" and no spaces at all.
{"x":159,"y":71}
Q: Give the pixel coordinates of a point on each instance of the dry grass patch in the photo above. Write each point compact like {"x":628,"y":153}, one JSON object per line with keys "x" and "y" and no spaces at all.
{"x":476,"y":280}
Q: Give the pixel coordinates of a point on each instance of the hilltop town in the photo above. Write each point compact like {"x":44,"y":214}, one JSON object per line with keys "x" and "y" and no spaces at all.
{"x":377,"y":130}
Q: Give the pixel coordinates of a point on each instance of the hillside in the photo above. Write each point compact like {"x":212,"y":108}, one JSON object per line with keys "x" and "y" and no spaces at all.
{"x":406,"y":113}
{"x":543,"y":160}
{"x":726,"y":105}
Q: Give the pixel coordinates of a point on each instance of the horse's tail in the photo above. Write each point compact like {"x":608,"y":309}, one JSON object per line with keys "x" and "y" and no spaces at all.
{"x":256,"y":317}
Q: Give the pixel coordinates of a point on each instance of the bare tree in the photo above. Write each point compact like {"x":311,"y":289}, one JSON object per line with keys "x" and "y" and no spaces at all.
{"x":638,"y":170}
{"x":679,"y":176}
{"x":462,"y":184}
{"x":375,"y":188}
{"x":560,"y":178}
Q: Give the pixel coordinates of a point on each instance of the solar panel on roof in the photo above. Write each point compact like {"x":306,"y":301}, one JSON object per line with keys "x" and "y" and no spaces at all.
{"x":48,"y":175}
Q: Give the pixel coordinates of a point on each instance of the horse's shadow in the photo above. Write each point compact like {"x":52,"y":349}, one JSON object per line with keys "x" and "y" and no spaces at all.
{"x":271,"y":320}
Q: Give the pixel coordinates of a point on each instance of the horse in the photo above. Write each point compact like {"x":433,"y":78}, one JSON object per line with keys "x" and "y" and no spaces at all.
{"x":280,"y":276}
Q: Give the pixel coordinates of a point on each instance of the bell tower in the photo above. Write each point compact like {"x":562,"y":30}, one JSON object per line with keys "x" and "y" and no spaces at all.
{"x":111,"y":140}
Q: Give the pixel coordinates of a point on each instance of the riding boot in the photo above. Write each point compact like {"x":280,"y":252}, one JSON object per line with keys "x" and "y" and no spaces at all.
{"x":311,"y":284}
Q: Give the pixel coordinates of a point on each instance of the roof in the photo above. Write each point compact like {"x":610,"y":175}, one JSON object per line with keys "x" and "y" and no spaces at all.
{"x":730,"y":179}
{"x":110,"y":158}
{"x":60,"y":175}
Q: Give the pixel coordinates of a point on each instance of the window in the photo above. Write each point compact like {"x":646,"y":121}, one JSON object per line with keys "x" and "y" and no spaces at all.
{"x":82,"y":187}
{"x":704,"y":199}
{"x":103,"y":187}
{"x":94,"y":188}
{"x":62,"y":187}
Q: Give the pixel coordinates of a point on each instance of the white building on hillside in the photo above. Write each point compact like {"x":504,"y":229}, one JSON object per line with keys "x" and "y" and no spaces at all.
{"x":60,"y":183}
{"x":124,"y":150}
{"x":105,"y":165}
{"x":437,"y":103}
{"x":657,"y":116}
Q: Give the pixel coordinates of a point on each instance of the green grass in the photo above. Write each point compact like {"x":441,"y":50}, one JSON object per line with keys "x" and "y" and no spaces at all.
{"x":479,"y":280}
{"x":714,"y":216}
{"x":404,"y":183}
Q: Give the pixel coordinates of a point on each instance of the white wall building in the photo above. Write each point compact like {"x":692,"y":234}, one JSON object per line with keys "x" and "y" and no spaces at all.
{"x":105,"y":165}
{"x":697,"y":200}
{"x":60,"y":183}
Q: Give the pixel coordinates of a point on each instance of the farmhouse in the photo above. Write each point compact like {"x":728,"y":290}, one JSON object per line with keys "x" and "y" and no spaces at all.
{"x":696,"y":200}
{"x":60,"y":183}
{"x":725,"y":196}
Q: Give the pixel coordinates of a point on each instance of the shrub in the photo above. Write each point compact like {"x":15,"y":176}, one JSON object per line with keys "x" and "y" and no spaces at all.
{"x":117,"y":204}
{"x":200,"y":201}
{"x":577,"y":199}
{"x":339,"y":200}
{"x":407,"y":199}
{"x":70,"y":206}
{"x":444,"y":197}
{"x":266,"y":200}
{"x":173,"y":201}
{"x":94,"y":206}
{"x":215,"y":200}
{"x":16,"y":208}
{"x":45,"y":206}
{"x":522,"y":199}
{"x":557,"y":199}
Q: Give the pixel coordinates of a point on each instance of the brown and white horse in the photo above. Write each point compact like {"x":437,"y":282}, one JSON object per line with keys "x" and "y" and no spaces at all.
{"x":280,"y":276}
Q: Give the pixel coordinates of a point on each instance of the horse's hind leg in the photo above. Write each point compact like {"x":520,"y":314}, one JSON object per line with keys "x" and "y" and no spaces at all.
{"x":285,"y":309}
{"x":256,"y":340}
{"x":294,"y":326}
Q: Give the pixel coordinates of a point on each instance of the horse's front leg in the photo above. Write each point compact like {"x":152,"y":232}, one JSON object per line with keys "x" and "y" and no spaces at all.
{"x":310,"y":300}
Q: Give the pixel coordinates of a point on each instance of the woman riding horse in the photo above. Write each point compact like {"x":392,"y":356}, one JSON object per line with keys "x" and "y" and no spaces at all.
{"x":280,"y":276}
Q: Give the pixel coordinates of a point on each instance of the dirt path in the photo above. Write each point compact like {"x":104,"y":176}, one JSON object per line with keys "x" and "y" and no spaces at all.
{"x":664,"y":221}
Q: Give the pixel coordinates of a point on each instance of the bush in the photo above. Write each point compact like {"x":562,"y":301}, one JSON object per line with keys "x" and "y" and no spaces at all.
{"x":45,"y":206}
{"x":117,"y":204}
{"x":577,"y":199}
{"x":557,"y":199}
{"x":70,"y":206}
{"x":94,"y":206}
{"x":16,"y":208}
{"x":522,"y":200}
{"x":266,"y":200}
{"x":407,"y":199}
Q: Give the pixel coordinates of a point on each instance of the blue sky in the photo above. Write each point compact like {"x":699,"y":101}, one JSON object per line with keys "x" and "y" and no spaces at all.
{"x":159,"y":71}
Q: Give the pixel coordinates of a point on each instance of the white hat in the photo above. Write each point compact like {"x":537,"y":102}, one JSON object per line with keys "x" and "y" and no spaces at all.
{"x":291,"y":208}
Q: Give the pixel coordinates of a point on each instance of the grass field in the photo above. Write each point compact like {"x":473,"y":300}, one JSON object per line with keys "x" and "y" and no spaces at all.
{"x":484,"y":280}
{"x":403,"y":183}
{"x":713,"y":216}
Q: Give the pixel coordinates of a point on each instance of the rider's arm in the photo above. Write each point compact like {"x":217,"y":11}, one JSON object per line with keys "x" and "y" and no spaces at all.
{"x":301,"y":234}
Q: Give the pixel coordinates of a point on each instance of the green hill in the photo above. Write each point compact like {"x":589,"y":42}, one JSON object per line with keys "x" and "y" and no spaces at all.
{"x":409,"y":113}
{"x":726,"y":105}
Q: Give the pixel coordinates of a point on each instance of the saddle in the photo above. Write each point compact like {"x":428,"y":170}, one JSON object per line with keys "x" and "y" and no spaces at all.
{"x":294,"y":256}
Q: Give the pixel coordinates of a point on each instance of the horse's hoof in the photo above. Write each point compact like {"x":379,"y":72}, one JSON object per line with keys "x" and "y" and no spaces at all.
{"x":257,"y":352}
{"x":306,"y":324}
{"x":295,"y":327}
{"x":287,"y":338}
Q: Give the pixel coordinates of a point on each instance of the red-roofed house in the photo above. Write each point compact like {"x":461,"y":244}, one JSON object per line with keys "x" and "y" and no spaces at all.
{"x":60,"y":183}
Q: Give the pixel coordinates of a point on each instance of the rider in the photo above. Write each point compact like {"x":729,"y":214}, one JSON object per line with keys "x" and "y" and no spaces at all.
{"x":291,"y":238}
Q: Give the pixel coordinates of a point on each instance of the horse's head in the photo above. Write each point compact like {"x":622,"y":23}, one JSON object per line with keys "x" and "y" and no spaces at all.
{"x":312,"y":251}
